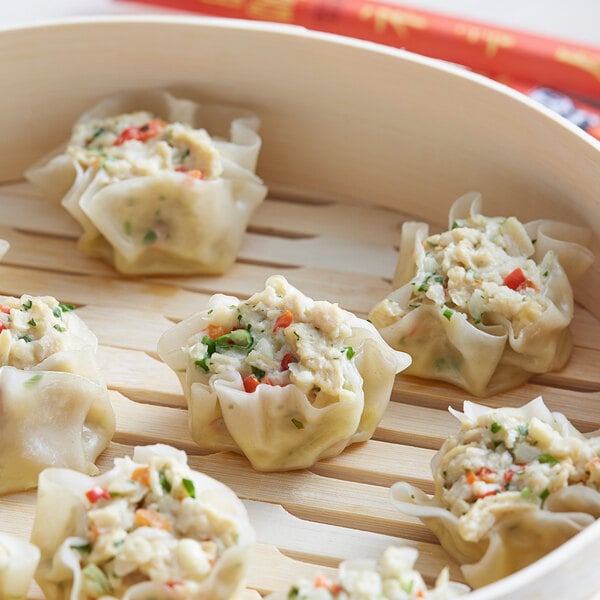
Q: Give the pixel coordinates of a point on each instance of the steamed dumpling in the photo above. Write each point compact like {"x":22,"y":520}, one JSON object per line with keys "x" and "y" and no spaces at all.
{"x":510,"y":486}
{"x":392,"y":577}
{"x":55,"y":405}
{"x":282,"y":378}
{"x":151,"y":527}
{"x":485,"y":304}
{"x":158,"y":194}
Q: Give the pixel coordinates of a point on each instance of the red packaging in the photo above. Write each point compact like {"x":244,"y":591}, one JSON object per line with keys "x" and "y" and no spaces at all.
{"x":562,"y":65}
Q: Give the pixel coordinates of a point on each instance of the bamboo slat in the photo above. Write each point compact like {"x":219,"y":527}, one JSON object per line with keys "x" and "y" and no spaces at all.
{"x":307,"y":520}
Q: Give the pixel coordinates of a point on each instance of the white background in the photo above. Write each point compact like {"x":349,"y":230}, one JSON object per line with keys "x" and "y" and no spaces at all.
{"x":576,"y":20}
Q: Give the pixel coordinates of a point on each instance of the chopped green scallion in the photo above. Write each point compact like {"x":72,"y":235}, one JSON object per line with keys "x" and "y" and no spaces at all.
{"x":298,"y":424}
{"x":188,"y":484}
{"x":165,"y":484}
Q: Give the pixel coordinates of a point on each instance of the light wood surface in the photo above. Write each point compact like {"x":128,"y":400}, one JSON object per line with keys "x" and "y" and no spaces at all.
{"x":338,"y":197}
{"x":305,"y":520}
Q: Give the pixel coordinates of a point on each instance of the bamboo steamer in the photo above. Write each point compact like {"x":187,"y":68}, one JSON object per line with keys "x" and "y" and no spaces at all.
{"x":357,"y":138}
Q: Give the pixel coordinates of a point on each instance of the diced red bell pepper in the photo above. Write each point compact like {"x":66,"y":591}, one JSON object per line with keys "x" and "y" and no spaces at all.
{"x":250,"y":383}
{"x":141,"y":134}
{"x":284,"y":320}
{"x":286,"y":360}
{"x":97,"y":493}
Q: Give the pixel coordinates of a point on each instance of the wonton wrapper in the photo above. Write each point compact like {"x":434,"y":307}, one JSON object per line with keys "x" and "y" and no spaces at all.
{"x":50,"y":418}
{"x":54,"y":405}
{"x":518,"y":537}
{"x":485,"y":359}
{"x":260,"y":424}
{"x":18,"y":561}
{"x":203,"y":221}
{"x":60,"y":523}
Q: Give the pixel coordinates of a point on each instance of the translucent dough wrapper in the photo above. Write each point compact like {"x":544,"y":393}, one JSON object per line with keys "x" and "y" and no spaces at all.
{"x":59,"y":529}
{"x":18,"y":561}
{"x":278,"y":427}
{"x":512,"y":530}
{"x":54,"y":403}
{"x":150,"y":214}
{"x":500,"y":328}
{"x":50,"y":419}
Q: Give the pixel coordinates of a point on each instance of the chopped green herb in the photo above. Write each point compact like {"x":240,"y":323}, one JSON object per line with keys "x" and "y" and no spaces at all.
{"x":455,"y":225}
{"x":448,"y":313}
{"x":32,"y":323}
{"x":546,"y":273}
{"x":165,"y":484}
{"x":533,"y":241}
{"x":430,"y":243}
{"x":258,"y":373}
{"x":407,"y":586}
{"x":26,"y":305}
{"x":57,"y":312}
{"x":523,"y":430}
{"x":438,"y":279}
{"x":95,"y":582}
{"x":66,"y":307}
{"x":414,"y":305}
{"x":296,"y":334}
{"x":185,"y":154}
{"x":83,"y":549}
{"x":239,"y":338}
{"x":350,"y":352}
{"x":293,"y":593}
{"x":188,"y":484}
{"x":495,"y":427}
{"x":150,"y":237}
{"x":548,"y":459}
{"x":59,"y":327}
{"x":544,"y":494}
{"x":201,"y":362}
{"x":33,"y":379}
{"x":25,"y":338}
{"x":526,"y":492}
{"x":210,"y":311}
{"x":298,"y":424}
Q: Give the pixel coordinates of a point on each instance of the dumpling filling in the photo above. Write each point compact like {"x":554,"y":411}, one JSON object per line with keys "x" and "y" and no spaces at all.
{"x":148,"y":525}
{"x":504,"y":463}
{"x":393,"y":577}
{"x":271,"y":339}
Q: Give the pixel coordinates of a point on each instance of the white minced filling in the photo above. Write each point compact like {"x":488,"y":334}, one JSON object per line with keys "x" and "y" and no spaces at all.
{"x":156,"y":532}
{"x":33,"y":328}
{"x":175,"y":146}
{"x":392,"y":578}
{"x":464,"y":269}
{"x":503,"y":464}
{"x":309,"y":351}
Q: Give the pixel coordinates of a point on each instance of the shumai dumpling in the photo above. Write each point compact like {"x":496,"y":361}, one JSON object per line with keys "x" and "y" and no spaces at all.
{"x":510,"y":486}
{"x":151,"y":527}
{"x":487,"y":303}
{"x":152,"y":190}
{"x":55,"y":405}
{"x":279,"y":377}
{"x":392,"y":577}
{"x":18,"y":561}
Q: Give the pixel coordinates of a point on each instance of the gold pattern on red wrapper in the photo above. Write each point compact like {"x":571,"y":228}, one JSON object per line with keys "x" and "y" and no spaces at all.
{"x":492,"y":38}
{"x":223,"y":3}
{"x":580,"y":59}
{"x":399,"y":20}
{"x":272,"y":10}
